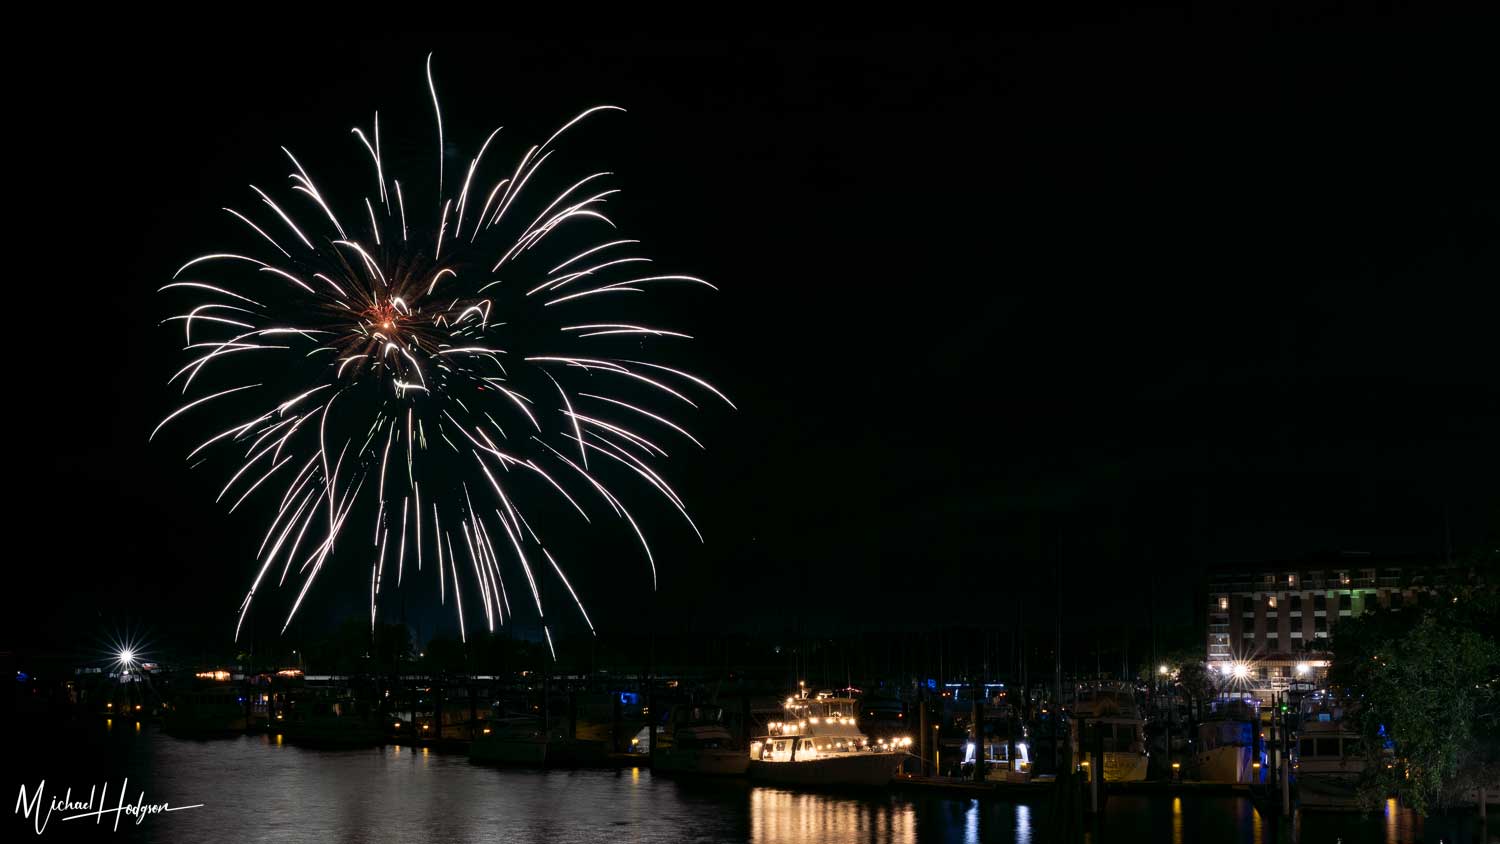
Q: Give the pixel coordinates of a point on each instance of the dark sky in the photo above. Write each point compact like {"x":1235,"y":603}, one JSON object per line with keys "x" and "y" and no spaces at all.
{"x":1145,"y":294}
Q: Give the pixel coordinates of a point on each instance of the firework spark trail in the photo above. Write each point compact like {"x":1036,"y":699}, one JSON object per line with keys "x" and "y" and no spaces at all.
{"x":430,"y":349}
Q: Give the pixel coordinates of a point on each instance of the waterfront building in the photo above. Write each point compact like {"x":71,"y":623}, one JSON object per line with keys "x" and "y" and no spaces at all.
{"x":1268,"y":625}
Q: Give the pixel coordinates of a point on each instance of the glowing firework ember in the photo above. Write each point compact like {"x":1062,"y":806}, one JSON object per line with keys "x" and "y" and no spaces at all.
{"x":432,"y":366}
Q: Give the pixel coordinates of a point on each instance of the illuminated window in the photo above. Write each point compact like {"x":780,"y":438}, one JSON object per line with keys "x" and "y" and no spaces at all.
{"x":1271,"y":602}
{"x":1224,"y":604}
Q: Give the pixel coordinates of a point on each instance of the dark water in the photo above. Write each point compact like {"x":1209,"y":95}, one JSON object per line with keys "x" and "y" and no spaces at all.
{"x":255,"y":788}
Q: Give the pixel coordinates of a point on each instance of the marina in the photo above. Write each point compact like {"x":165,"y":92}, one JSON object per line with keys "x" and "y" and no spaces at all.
{"x":742,"y":745}
{"x":399,"y":793}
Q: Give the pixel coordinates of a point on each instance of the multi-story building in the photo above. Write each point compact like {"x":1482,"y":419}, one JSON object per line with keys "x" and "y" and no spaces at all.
{"x":1269,"y":624}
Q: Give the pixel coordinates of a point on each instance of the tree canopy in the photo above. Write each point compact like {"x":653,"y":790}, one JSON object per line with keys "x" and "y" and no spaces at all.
{"x":1424,"y":682}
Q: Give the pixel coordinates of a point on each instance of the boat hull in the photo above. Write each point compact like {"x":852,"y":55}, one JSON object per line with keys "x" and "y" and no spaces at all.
{"x":502,"y":752}
{"x":1125,"y":767}
{"x":220,"y":721}
{"x":333,"y":735}
{"x":1327,"y":791}
{"x":711,"y":763}
{"x":1225,"y":765}
{"x":871,"y":769}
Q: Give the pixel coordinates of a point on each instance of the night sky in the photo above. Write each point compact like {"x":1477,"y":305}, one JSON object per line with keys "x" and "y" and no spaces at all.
{"x":1146,"y":295}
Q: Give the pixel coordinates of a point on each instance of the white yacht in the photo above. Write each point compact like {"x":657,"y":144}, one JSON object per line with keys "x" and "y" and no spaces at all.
{"x":818,"y":742}
{"x":700,"y":743}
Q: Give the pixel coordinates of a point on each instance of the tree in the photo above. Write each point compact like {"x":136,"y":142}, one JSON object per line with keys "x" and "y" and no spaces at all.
{"x":1424,"y":683}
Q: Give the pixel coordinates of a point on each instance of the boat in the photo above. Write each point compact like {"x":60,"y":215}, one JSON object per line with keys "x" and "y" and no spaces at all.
{"x":510,"y":741}
{"x":700,"y":743}
{"x":1000,"y":764}
{"x":1226,"y":742}
{"x":1109,"y":716}
{"x":1330,"y":757}
{"x":818,"y":742}
{"x":205,"y":710}
{"x":330,"y":721}
{"x":1125,"y":758}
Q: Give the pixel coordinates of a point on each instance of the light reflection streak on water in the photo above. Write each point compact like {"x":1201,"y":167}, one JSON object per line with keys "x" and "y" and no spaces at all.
{"x":781,"y":816}
{"x":1023,"y":824}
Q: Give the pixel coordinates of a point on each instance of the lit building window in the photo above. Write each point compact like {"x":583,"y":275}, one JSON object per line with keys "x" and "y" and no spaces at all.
{"x":1271,"y":602}
{"x":1224,"y":604}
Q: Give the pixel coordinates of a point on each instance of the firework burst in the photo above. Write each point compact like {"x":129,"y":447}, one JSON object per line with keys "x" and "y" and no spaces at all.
{"x":434,"y":366}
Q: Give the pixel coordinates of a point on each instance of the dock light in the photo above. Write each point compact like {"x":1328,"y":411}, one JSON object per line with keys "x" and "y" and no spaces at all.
{"x":1241,"y":670}
{"x":1176,"y":766}
{"x":425,"y":726}
{"x":1303,"y":668}
{"x":1161,"y":669}
{"x":396,"y":726}
{"x":487,"y":732}
{"x":137,"y":707}
{"x":127,"y":657}
{"x":110,"y":705}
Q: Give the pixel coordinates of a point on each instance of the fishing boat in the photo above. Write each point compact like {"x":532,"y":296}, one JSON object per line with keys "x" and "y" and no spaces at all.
{"x":818,"y":742}
{"x":510,"y":741}
{"x":699,"y":742}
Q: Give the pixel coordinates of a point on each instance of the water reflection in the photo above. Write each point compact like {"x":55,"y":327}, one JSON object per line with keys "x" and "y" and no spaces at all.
{"x":1023,"y":825}
{"x":291,"y":793}
{"x":781,"y":816}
